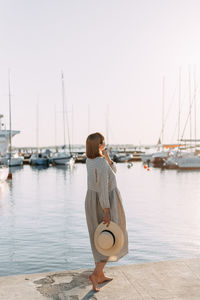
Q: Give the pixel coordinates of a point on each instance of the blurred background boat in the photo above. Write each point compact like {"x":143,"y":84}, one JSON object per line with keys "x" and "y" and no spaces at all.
{"x":14,"y":160}
{"x":39,"y":159}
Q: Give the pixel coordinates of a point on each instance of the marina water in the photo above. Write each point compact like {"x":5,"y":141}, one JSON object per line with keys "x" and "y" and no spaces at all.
{"x":43,"y":226}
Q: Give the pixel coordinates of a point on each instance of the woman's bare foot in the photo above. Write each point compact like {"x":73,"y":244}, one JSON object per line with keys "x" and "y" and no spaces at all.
{"x":94,"y":281}
{"x":104,"y":279}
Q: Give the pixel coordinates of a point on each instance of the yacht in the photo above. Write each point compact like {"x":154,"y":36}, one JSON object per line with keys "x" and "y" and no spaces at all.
{"x":64,"y":157}
{"x":5,"y":136}
{"x":12,"y":161}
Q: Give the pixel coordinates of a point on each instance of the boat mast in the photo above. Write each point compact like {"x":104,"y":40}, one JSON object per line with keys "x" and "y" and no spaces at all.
{"x":63,"y":100}
{"x":163,"y":109}
{"x":190,"y":111}
{"x":195,"y":128}
{"x":107,"y":126}
{"x":10,"y":125}
{"x":10,"y":122}
{"x":72,"y":127}
{"x":63,"y":103}
{"x":37,"y":126}
{"x":88,"y":119}
{"x":179,"y":107}
{"x":55,"y":127}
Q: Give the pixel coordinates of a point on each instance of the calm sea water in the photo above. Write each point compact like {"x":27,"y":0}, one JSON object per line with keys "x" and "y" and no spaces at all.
{"x":43,"y":226}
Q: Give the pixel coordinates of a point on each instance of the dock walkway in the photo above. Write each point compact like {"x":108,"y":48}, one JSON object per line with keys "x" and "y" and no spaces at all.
{"x":172,"y":280}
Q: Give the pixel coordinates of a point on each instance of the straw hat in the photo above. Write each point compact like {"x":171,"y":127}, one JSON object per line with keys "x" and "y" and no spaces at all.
{"x":108,"y":240}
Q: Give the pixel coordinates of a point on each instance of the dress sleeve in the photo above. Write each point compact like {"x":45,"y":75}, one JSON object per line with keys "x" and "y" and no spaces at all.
{"x":103,"y":185}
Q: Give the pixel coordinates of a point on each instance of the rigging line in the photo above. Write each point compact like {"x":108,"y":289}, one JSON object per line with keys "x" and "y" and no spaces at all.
{"x":181,"y":109}
{"x":183,"y":98}
{"x":195,"y":106}
{"x":169,"y":109}
{"x":189,"y":112}
{"x":67,"y":119}
{"x":111,"y":133}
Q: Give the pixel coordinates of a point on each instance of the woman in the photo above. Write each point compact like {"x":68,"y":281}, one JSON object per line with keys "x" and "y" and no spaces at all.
{"x":103,"y":201}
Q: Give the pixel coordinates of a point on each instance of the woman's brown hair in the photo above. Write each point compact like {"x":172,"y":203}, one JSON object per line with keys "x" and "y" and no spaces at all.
{"x":92,"y":144}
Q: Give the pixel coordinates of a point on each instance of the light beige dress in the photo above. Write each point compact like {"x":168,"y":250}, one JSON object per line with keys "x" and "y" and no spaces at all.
{"x":103,"y":193}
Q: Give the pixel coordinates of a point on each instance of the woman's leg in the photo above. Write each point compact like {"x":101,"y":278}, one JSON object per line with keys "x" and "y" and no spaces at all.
{"x":98,"y":276}
{"x":101,"y":276}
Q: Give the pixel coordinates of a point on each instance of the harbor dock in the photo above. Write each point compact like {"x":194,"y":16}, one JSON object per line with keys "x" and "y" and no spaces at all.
{"x":172,"y":280}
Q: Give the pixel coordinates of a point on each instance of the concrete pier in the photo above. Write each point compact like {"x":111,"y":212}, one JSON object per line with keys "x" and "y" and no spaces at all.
{"x":172,"y":280}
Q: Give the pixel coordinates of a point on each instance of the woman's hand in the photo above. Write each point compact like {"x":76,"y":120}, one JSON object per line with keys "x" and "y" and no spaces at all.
{"x":104,"y":152}
{"x":106,"y":218}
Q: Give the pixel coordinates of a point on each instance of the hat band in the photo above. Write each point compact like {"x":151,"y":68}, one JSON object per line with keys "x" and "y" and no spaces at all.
{"x":111,"y":234}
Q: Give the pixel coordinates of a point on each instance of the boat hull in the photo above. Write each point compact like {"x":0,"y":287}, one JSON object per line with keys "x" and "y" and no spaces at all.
{"x":13,"y":162}
{"x":189,"y":163}
{"x":39,"y":161}
{"x":64,"y":161}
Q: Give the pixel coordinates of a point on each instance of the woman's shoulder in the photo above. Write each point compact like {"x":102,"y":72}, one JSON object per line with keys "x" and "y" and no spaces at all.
{"x":98,"y":161}
{"x":95,"y":159}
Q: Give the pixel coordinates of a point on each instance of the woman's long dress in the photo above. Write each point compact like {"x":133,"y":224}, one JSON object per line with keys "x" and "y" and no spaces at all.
{"x":103,"y":193}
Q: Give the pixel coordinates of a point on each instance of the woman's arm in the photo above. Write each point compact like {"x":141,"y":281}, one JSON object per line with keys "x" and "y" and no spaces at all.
{"x":106,"y":218}
{"x":109,"y":161}
{"x":107,"y":157}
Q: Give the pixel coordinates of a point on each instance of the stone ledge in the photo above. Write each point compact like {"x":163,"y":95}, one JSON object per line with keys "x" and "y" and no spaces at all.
{"x":172,"y":280}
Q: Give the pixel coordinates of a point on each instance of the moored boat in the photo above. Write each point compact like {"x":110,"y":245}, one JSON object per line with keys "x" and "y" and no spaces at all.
{"x":122,"y":157}
{"x":63,"y":158}
{"x":12,"y":161}
{"x":189,"y":163}
{"x":39,"y":159}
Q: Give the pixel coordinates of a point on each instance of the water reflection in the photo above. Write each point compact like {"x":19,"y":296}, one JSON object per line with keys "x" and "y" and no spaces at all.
{"x":3,"y":189}
{"x":65,"y":171}
{"x":39,"y":167}
{"x":4,"y":205}
{"x":16,"y":169}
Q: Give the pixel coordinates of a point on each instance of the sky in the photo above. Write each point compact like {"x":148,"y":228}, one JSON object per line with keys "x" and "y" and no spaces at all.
{"x":113,"y":54}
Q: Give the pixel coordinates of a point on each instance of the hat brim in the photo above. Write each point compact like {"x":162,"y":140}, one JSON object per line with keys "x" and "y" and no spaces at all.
{"x":119,"y":239}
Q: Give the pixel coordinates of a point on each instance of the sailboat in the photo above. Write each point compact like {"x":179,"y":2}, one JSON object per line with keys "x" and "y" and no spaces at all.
{"x":3,"y":148}
{"x":191,"y":161}
{"x":64,"y":158}
{"x":158,"y":157}
{"x":38,"y":159}
{"x":8,"y":157}
{"x":12,"y":161}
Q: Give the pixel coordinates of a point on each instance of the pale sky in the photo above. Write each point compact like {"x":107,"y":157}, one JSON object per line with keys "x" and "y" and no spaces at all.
{"x":113,"y":53}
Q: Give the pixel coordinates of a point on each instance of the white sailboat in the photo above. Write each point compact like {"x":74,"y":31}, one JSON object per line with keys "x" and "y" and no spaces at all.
{"x":14,"y":161}
{"x":38,"y":159}
{"x":158,"y":157}
{"x":64,"y":158}
{"x":191,"y":161}
{"x":7,"y":156}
